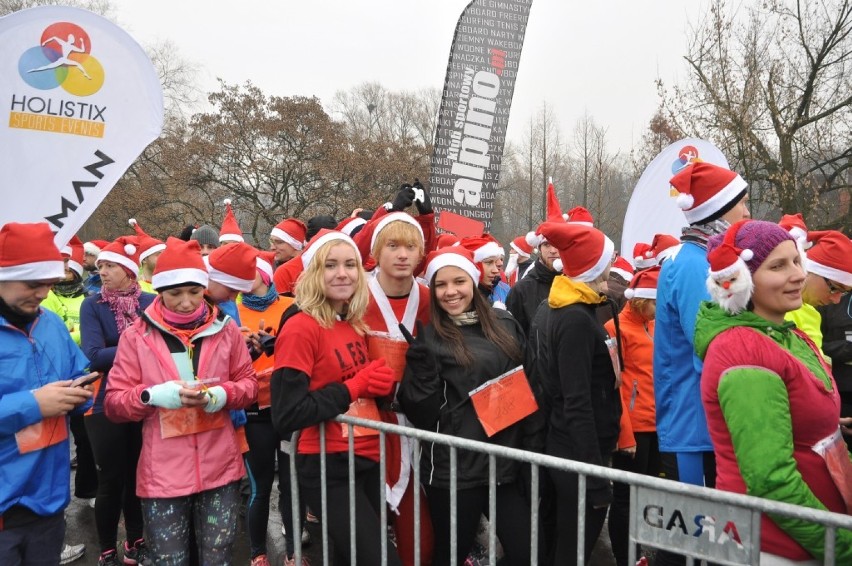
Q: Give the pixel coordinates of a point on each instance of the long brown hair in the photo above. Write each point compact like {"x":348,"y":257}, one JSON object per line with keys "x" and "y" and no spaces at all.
{"x":451,"y":335}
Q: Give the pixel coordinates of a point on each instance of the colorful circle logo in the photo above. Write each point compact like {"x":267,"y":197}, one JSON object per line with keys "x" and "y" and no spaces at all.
{"x":62,"y":58}
{"x":687,"y":154}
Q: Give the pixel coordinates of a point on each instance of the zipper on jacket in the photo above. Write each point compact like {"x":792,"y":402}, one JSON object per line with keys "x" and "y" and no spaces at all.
{"x":633,"y":394}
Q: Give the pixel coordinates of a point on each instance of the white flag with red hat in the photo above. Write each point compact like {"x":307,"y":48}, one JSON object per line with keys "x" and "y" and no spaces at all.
{"x":652,"y":208}
{"x":81,"y":100}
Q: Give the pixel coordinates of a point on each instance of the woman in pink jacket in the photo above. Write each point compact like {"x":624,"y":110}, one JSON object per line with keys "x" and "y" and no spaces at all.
{"x":178,"y":369}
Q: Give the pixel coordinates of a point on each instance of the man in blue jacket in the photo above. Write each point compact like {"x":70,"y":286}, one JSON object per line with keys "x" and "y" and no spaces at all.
{"x":38,"y":361}
{"x":712,"y":198}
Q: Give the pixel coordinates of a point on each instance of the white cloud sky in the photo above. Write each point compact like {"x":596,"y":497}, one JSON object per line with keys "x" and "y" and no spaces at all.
{"x":595,"y":57}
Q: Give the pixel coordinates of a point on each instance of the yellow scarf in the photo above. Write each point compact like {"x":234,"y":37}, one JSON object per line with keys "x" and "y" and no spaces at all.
{"x":565,"y":291}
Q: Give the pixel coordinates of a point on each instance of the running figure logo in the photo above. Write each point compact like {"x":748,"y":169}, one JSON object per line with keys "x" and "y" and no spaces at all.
{"x":62,"y":58}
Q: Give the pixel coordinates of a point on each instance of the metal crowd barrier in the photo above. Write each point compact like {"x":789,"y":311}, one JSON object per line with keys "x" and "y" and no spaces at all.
{"x":724,"y":526}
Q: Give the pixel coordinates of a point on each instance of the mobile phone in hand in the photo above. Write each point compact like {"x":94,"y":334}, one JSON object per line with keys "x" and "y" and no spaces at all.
{"x":85,"y":380}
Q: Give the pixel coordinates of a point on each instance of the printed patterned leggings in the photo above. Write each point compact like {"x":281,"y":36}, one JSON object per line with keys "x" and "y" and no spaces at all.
{"x":214,"y":514}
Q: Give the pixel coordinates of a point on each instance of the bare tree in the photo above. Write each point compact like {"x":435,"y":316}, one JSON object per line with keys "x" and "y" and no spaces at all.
{"x":770,"y":85}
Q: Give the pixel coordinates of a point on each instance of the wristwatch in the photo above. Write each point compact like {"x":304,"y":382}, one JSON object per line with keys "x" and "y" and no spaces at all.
{"x":145,"y":396}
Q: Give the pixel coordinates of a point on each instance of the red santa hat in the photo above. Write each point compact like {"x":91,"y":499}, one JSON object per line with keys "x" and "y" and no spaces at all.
{"x":554,"y":209}
{"x":27,"y":253}
{"x":643,"y":255}
{"x":795,"y":224}
{"x":456,"y":256}
{"x":321,"y":238}
{"x":830,"y":256}
{"x":644,"y":284}
{"x":180,"y":264}
{"x":521,"y":246}
{"x":579,"y":215}
{"x":94,"y":247}
{"x":73,"y":250}
{"x":148,"y":245}
{"x":445,"y":240}
{"x":291,"y":231}
{"x":230,"y":231}
{"x":482,"y":247}
{"x":394,"y":217}
{"x":350,"y":225}
{"x":233,"y":266}
{"x":124,"y":251}
{"x":264,"y":262}
{"x":707,"y":191}
{"x":623,"y":268}
{"x":663,"y":246}
{"x":585,"y":252}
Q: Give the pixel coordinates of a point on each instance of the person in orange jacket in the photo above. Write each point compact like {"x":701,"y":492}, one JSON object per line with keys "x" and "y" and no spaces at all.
{"x":638,"y":449}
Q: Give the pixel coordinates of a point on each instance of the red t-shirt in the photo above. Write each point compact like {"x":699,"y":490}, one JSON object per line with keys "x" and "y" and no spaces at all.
{"x":286,"y":274}
{"x":326,"y":355}
{"x":376,"y":321}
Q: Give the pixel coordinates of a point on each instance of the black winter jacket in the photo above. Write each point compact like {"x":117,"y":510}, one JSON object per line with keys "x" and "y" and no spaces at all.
{"x":441,"y":403}
{"x":528,"y":293}
{"x":837,"y":340}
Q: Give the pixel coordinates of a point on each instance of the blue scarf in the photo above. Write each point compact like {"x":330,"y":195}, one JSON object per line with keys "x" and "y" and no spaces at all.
{"x":260,"y":302}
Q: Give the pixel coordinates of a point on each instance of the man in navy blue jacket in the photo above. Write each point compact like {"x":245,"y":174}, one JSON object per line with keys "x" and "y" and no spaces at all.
{"x":38,"y":361}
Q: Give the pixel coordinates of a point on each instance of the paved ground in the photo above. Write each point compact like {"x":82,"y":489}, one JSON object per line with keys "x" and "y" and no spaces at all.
{"x":81,"y":528}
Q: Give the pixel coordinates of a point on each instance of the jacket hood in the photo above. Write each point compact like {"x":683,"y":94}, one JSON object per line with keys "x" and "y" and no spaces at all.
{"x":566,"y":291}
{"x":713,"y":320}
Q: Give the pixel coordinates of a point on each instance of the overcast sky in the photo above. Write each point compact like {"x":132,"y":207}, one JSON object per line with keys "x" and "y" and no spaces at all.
{"x":578,"y":56}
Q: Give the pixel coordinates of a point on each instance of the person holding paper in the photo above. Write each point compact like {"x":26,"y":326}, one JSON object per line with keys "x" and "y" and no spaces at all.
{"x":772,"y":405}
{"x":38,"y":360}
{"x":322,"y":369}
{"x":467,"y":345}
{"x":179,"y":369}
{"x":103,"y":319}
{"x":576,"y":368}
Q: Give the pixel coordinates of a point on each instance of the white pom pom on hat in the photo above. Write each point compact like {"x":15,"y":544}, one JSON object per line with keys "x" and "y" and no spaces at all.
{"x":684,"y":201}
{"x":227,"y":201}
{"x":129,"y":249}
{"x":534,"y":239}
{"x":132,"y":222}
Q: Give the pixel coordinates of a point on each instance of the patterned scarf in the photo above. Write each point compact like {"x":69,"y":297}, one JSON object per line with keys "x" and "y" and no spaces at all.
{"x":465,"y":319}
{"x":185,"y":327}
{"x":701,"y":233}
{"x":70,"y":289}
{"x":260,"y":303}
{"x":124,"y":304}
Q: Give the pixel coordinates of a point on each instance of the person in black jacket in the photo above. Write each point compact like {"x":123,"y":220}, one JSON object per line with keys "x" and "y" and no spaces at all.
{"x":837,"y":345}
{"x":466,"y":344}
{"x":574,"y":373}
{"x":532,"y":289}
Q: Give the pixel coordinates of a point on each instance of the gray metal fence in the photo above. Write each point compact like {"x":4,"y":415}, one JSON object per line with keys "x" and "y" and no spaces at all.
{"x":725,"y":526}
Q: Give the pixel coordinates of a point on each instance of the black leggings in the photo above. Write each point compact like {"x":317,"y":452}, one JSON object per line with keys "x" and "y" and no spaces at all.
{"x":116,"y":448}
{"x":645,"y":461}
{"x":513,"y":522}
{"x":264,"y":446}
{"x":368,"y":528}
{"x":86,"y":477}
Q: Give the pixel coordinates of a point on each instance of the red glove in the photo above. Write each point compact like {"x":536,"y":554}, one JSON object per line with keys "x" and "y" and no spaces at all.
{"x":357,"y":384}
{"x":381,"y":380}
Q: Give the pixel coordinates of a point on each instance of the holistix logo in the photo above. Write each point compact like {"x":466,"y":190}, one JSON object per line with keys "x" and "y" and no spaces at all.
{"x":687,"y":155}
{"x":62,"y":59}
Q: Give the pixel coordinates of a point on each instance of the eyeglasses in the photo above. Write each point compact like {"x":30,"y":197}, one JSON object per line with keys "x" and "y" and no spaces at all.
{"x":833,"y":288}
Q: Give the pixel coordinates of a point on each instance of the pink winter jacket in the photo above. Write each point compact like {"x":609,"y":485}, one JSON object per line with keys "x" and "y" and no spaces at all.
{"x":182,"y":465}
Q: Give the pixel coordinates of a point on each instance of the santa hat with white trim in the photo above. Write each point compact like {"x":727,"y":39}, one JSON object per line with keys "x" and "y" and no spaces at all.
{"x":27,"y":253}
{"x":455,"y":256}
{"x":351,"y":226}
{"x":795,"y":224}
{"x":643,"y":256}
{"x":707,"y":191}
{"x":94,"y":247}
{"x":320,"y":239}
{"x":230,"y":231}
{"x":394,"y":217}
{"x":265,"y":261}
{"x":622,"y":268}
{"x":148,"y":245}
{"x":663,"y":246}
{"x":73,"y":250}
{"x":830,"y":256}
{"x":291,"y":231}
{"x":644,"y":284}
{"x":124,"y":251}
{"x":584,"y":251}
{"x":482,"y":247}
{"x":579,"y":215}
{"x":180,"y":264}
{"x":233,"y":266}
{"x":521,"y":246}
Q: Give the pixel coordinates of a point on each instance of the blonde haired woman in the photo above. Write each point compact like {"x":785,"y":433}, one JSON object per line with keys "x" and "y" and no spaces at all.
{"x":321,"y":369}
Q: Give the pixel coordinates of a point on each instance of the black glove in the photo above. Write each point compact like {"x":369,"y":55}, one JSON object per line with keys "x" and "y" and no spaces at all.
{"x":424,"y":207}
{"x":403,"y":198}
{"x":419,"y":357}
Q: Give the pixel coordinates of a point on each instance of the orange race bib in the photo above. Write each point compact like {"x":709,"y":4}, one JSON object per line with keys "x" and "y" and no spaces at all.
{"x":503,"y":401}
{"x":189,"y":420}
{"x":42,"y":434}
{"x":393,"y":351}
{"x":264,"y":393}
{"x":833,"y":450}
{"x":362,"y":409}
